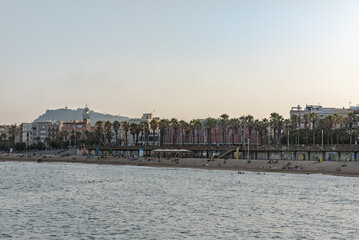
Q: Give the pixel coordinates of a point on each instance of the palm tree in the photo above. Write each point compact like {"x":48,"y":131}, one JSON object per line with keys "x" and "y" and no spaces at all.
{"x":264,"y":124}
{"x":116,"y":127}
{"x":223,"y":123}
{"x":242,"y":121}
{"x":133,"y":132}
{"x":276,"y":122}
{"x":197,"y":124}
{"x":296,"y":121}
{"x":184,"y":126}
{"x":154,"y":126}
{"x":249,"y":120}
{"x":234,"y":124}
{"x":210,"y":124}
{"x":99,"y":129}
{"x":350,"y":121}
{"x":175,"y":125}
{"x":163,"y":125}
{"x":145,"y":132}
{"x":314,"y":119}
{"x":77,"y":137}
{"x":108,"y":127}
{"x":256,"y":127}
{"x":306,"y":118}
{"x":126,"y":128}
{"x":326,"y":124}
{"x":192,"y":128}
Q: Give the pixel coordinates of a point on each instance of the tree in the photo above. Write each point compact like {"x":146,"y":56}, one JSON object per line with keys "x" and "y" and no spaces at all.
{"x":256,"y":127}
{"x":234,"y":124}
{"x":116,"y":127}
{"x":314,"y":119}
{"x":154,"y":126}
{"x":242,"y":122}
{"x":108,"y":127}
{"x":126,"y":128}
{"x":210,"y":124}
{"x":196,"y":124}
{"x":163,"y":125}
{"x":134,"y":131}
{"x":276,"y":122}
{"x":99,"y":129}
{"x":264,"y":130}
{"x":249,"y":120}
{"x":296,"y":121}
{"x":306,"y":119}
{"x":175,"y":125}
{"x":184,"y":126}
{"x":223,"y":123}
{"x":13,"y":131}
{"x":145,"y":132}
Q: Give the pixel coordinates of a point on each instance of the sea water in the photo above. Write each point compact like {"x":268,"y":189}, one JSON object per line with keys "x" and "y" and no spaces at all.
{"x":87,"y":201}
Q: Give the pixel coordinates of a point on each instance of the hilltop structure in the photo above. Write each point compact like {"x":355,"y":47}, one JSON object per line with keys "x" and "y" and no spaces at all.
{"x":81,"y":127}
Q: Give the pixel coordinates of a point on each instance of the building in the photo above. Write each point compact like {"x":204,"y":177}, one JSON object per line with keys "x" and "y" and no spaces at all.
{"x":45,"y":130}
{"x":4,"y":132}
{"x":78,"y":126}
{"x":321,"y":111}
{"x":26,"y":133}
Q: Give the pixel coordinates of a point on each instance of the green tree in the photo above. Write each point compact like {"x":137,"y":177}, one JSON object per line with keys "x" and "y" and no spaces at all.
{"x":163,"y":126}
{"x":184,"y":126}
{"x":108,"y":131}
{"x":133,"y":132}
{"x":116,"y":127}
{"x":175,"y":126}
{"x":154,"y":126}
{"x":126,"y":128}
{"x":210,"y":124}
{"x":250,"y":125}
{"x":314,"y":119}
{"x":276,"y":122}
{"x":13,"y":131}
{"x":223,"y":124}
{"x":99,"y":130}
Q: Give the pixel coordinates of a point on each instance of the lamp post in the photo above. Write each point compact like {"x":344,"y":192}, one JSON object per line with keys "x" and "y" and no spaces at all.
{"x":322,"y":136}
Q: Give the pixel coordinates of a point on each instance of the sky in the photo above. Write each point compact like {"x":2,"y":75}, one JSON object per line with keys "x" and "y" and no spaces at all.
{"x":185,"y":59}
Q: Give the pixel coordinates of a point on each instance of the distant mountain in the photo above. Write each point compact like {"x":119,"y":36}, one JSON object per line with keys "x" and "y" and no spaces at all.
{"x":65,"y":114}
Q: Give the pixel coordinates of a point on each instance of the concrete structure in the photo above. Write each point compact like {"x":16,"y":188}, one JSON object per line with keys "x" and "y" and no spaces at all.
{"x":321,"y":111}
{"x":26,"y":133}
{"x":78,"y":126}
{"x":43,"y":130}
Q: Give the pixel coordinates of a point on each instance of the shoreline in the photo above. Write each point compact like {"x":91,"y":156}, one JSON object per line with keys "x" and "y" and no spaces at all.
{"x":348,"y":169}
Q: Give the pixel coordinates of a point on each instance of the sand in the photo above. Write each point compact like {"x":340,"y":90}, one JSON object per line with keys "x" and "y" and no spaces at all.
{"x":302,"y":167}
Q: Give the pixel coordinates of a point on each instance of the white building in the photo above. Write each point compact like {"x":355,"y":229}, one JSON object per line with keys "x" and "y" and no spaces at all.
{"x":43,"y":130}
{"x":26,"y":133}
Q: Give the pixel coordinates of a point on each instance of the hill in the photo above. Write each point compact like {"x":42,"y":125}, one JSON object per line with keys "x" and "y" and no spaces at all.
{"x":65,"y":114}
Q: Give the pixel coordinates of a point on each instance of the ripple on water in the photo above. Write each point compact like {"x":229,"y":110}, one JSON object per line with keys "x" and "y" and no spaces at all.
{"x":78,"y":201}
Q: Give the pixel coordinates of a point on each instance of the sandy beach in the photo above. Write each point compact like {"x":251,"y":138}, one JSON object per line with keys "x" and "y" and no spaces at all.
{"x":299,"y":167}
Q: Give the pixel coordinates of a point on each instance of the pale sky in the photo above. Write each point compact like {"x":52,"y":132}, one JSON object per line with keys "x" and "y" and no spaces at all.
{"x":184,"y":59}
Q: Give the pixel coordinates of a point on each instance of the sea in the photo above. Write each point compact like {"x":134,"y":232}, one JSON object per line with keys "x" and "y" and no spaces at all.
{"x":90,"y":201}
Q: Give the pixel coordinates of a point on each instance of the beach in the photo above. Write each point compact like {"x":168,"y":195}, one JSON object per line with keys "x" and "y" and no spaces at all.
{"x":283,"y":166}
